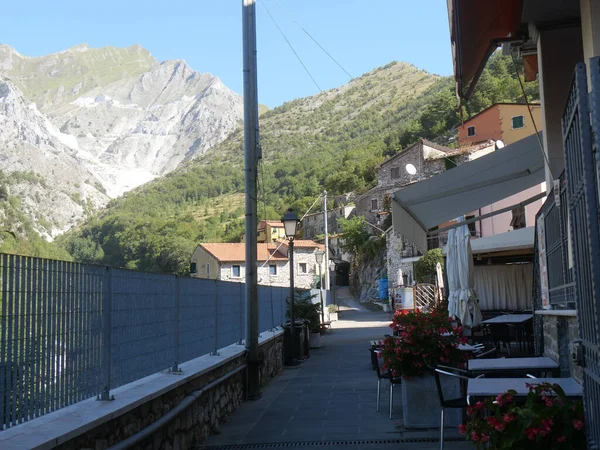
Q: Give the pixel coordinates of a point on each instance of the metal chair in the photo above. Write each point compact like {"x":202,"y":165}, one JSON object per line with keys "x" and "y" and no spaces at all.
{"x":381,"y":375}
{"x":486,"y":353}
{"x":460,"y":402}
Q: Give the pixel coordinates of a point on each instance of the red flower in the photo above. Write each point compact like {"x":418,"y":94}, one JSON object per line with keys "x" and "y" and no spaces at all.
{"x":485,"y":437}
{"x":578,"y":424}
{"x":508,"y":418}
{"x":548,"y":401}
{"x":474,"y":436}
{"x":462,"y":429}
{"x":560,"y":439}
{"x":531,"y":433}
{"x":499,"y":427}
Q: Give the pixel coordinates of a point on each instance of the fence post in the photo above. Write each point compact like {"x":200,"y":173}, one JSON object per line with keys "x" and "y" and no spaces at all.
{"x":272,"y":310}
{"x":175,"y":369}
{"x":106,"y":334}
{"x":215,"y":344}
{"x":241,"y":341}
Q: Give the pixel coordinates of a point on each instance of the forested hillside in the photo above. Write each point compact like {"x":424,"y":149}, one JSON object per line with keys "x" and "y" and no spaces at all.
{"x":332,"y":140}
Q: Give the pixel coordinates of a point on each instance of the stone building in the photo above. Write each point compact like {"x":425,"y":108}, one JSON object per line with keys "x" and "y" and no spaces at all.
{"x":226,"y":262}
{"x":313,"y":225}
{"x":427,"y":158}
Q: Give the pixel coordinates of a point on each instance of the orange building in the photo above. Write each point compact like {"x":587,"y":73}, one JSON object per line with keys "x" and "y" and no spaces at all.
{"x":507,"y":122}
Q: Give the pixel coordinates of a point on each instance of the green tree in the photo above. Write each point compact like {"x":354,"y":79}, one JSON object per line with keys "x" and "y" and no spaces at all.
{"x":425,"y":268}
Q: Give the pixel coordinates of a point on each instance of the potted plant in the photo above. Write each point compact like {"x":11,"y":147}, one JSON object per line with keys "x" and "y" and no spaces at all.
{"x":333,"y":312}
{"x":546,"y":420}
{"x":305,"y":309}
{"x":424,"y":340}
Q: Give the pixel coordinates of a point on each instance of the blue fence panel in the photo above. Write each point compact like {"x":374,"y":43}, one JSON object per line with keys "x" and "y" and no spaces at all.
{"x":143,"y":313}
{"x":71,"y":331}
{"x":196,"y":317}
{"x":50,"y":324}
{"x":230,"y":309}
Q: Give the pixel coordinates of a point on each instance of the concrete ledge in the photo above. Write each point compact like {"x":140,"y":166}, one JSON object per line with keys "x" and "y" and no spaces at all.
{"x":60,"y":426}
{"x":557,"y":312}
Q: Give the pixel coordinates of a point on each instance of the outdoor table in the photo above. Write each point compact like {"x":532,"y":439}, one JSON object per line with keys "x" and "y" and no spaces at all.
{"x":511,"y":319}
{"x":462,"y":347}
{"x":503,"y":366}
{"x":480,"y":388}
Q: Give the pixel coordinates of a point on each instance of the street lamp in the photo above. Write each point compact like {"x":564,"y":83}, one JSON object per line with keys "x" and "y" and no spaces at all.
{"x":319,"y":257}
{"x":290,"y":224}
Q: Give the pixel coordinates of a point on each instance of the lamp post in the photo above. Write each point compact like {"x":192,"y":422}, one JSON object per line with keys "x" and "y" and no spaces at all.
{"x":290,"y":224}
{"x":319,"y":257}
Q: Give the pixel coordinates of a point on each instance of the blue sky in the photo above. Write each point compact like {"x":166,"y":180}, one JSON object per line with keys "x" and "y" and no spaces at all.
{"x":361,"y":35}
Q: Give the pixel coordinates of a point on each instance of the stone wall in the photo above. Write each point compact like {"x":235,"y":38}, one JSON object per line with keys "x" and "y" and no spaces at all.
{"x":197,"y":422}
{"x":363,"y":279}
{"x":559,"y":334}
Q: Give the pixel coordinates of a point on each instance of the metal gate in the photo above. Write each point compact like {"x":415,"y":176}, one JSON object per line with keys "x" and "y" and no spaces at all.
{"x":583,"y":214}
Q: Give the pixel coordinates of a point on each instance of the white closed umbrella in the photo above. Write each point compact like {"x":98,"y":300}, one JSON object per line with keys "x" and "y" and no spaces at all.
{"x":468,"y":305}
{"x":439,"y":278}
{"x":452,"y":274}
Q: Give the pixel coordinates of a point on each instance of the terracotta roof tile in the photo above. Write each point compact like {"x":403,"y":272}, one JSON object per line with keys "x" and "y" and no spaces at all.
{"x":274,"y":223}
{"x":237,"y":252}
{"x":306,"y":243}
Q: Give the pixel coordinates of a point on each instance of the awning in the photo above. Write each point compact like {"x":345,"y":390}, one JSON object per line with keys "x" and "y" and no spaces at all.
{"x":477,"y":28}
{"x":463,"y":189}
{"x":521,"y":239}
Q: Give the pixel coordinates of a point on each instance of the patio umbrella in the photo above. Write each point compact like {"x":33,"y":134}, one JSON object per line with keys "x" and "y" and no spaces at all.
{"x":452,"y":274}
{"x":468,"y":305}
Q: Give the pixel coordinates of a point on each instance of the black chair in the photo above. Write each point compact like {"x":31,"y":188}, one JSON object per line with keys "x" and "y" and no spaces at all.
{"x":503,"y":334}
{"x":486,"y":353}
{"x":385,"y":376}
{"x":460,"y":402}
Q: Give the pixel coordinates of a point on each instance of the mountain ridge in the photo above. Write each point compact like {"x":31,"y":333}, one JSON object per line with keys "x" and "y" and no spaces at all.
{"x":124,"y":116}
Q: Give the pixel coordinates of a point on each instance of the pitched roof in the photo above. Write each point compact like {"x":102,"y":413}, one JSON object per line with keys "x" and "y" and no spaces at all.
{"x":468,"y":149}
{"x":307,"y":243}
{"x":273,"y":223}
{"x":303,"y":244}
{"x":237,"y":252}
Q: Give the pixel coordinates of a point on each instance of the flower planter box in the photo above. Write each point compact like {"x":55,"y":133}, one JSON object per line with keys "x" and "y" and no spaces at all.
{"x":421,"y":403}
{"x":315,"y":340}
{"x":333,"y":316}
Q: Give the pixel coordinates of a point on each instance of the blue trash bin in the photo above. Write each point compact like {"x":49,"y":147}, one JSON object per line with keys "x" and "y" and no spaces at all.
{"x":382,"y":284}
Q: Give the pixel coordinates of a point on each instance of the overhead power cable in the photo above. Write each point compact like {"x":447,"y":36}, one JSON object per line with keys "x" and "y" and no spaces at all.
{"x":313,"y":39}
{"x":291,"y":46}
{"x":530,"y":112}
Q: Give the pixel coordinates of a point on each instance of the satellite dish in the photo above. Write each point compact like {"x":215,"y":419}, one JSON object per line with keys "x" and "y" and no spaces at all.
{"x":499,"y":144}
{"x":411,"y":169}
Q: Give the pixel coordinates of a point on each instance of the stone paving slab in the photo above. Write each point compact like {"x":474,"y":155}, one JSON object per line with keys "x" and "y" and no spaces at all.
{"x":329,"y":401}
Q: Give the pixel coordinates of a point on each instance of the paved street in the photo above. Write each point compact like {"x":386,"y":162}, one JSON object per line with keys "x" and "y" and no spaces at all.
{"x":329,"y":400}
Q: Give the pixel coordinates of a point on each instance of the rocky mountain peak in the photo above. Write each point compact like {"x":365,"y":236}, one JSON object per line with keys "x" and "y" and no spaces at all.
{"x":114,"y":115}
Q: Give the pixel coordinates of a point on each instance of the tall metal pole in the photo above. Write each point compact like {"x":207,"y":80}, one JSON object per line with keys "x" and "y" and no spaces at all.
{"x":321,"y":293}
{"x":327,"y":285}
{"x":292,"y":296}
{"x":251,"y":157}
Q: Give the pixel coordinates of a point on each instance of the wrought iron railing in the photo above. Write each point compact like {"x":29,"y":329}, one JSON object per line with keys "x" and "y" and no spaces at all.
{"x":553,"y":218}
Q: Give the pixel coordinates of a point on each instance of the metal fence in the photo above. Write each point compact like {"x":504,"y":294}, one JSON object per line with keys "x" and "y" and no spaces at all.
{"x":71,"y":331}
{"x":559,"y":273}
